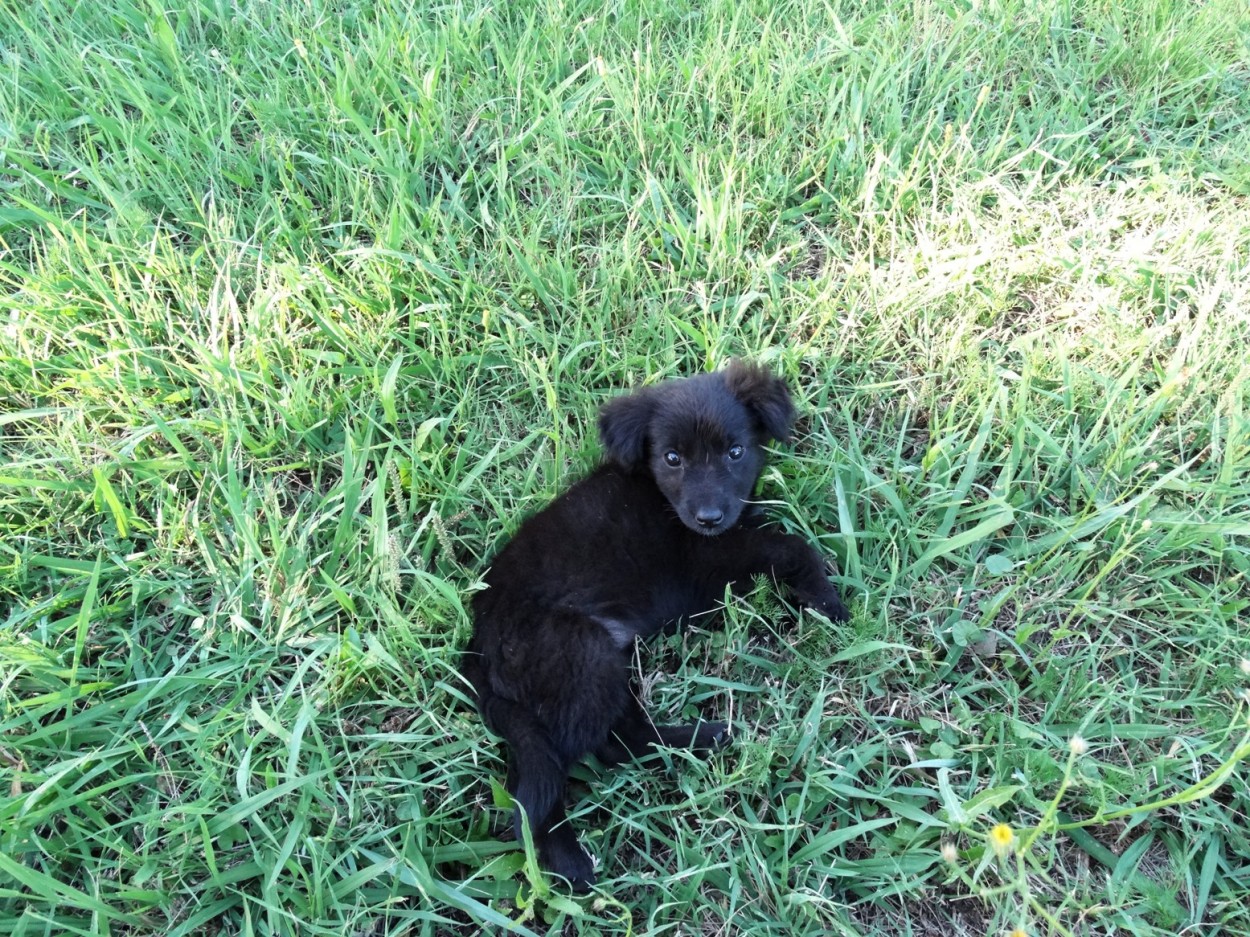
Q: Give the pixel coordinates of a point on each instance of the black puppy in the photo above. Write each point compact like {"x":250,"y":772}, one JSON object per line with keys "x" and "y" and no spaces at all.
{"x":652,"y":536}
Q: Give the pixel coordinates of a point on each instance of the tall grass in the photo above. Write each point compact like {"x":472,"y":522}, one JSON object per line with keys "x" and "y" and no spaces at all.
{"x":308,"y":304}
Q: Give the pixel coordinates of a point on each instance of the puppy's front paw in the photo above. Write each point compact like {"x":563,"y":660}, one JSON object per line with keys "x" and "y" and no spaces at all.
{"x":712,"y":736}
{"x":824,"y":599}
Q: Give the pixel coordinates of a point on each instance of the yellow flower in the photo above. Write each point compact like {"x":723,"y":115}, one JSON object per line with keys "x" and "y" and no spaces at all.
{"x":1019,"y":932}
{"x":1002,"y":838}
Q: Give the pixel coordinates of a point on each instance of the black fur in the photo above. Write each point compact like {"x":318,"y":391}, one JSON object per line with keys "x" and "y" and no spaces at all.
{"x":637,"y":545}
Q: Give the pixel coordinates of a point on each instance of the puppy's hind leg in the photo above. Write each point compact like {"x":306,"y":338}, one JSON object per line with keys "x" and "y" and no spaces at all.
{"x":537,"y":773}
{"x":634,"y":735}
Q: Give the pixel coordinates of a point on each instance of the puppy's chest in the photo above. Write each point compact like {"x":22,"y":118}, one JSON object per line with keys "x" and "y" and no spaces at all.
{"x":646,"y":617}
{"x":647,"y":606}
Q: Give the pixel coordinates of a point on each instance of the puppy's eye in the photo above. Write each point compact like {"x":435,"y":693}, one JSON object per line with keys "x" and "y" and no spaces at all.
{"x":672,"y":458}
{"x":736,"y":452}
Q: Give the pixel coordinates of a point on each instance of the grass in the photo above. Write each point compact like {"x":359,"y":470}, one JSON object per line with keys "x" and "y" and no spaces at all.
{"x":307,"y":304}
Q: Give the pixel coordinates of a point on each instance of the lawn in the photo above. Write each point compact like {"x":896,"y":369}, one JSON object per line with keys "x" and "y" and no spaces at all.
{"x":308,"y":304}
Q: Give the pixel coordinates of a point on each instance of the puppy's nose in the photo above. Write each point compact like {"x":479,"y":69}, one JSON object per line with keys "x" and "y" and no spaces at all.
{"x":709,"y":517}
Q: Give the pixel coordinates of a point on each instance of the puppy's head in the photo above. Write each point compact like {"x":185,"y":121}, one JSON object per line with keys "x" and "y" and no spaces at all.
{"x":701,"y":438}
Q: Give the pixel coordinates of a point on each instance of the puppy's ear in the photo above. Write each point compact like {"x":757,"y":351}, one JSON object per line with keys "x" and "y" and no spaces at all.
{"x":765,"y":395}
{"x":623,"y":426}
